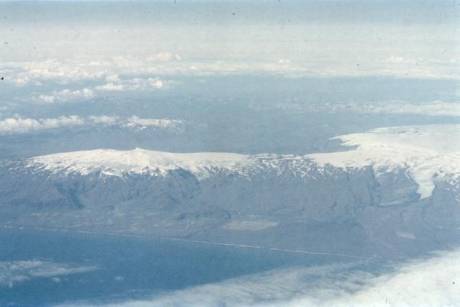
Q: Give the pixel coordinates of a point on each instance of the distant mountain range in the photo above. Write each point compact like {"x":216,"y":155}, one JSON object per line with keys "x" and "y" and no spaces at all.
{"x":398,"y":185}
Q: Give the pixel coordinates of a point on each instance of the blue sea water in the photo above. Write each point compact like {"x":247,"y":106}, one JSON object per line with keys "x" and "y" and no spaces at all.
{"x":127,"y":267}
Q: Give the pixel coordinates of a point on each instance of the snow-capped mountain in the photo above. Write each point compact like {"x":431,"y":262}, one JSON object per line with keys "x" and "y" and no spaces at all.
{"x":400,"y":184}
{"x":138,"y":161}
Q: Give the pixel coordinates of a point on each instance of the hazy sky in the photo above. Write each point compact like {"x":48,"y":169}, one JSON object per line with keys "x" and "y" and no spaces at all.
{"x":402,"y":38}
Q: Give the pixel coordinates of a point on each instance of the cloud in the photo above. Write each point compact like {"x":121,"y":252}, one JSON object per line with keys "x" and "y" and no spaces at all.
{"x":20,"y":125}
{"x":435,"y":108}
{"x":113,"y":83}
{"x":139,"y":71}
{"x":131,"y":84}
{"x":164,"y":57}
{"x":143,"y":123}
{"x":84,"y":69}
{"x":138,"y":123}
{"x":104,"y":120}
{"x":432,"y":108}
{"x":17,"y":125}
{"x":14,"y":272}
{"x":429,"y":282}
{"x":111,"y":86}
{"x":432,"y":282}
{"x":402,"y":60}
{"x":66,"y":95}
{"x":58,"y":70}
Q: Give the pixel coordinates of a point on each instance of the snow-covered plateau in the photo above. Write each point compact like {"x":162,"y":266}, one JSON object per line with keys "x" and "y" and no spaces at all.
{"x":398,"y":185}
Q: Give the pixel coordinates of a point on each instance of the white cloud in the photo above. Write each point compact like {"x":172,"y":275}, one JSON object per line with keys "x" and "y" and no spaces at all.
{"x":66,"y":95}
{"x":60,"y":71}
{"x":137,"y":123}
{"x":402,"y":60}
{"x":111,"y":86}
{"x":433,"y":282}
{"x":104,"y":119}
{"x":110,"y":68}
{"x":112,"y":78}
{"x":433,"y":108}
{"x":20,"y":125}
{"x":78,"y":69}
{"x":164,"y":57}
{"x":430,"y":282}
{"x":143,"y":123}
{"x":132,"y":84}
{"x":14,"y":272}
{"x":15,"y":125}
